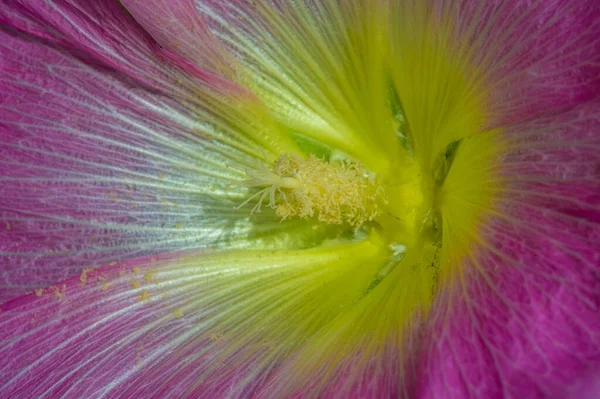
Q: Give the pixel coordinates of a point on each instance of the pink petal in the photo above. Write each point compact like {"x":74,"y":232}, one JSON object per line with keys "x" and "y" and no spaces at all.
{"x":172,"y":325}
{"x":543,"y":56}
{"x":81,"y":28}
{"x":95,"y":166}
{"x":99,"y":31}
{"x":537,"y":335}
{"x":126,"y":338}
{"x":178,"y":28}
{"x":528,"y":326}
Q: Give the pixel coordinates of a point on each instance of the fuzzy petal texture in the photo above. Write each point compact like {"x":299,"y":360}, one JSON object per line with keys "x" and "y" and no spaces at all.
{"x":527,"y":324}
{"x":82,"y":29}
{"x":113,"y":148}
{"x":181,"y":324}
{"x":96,"y":166}
{"x":315,"y":67}
{"x":543,"y":57}
{"x":178,"y":28}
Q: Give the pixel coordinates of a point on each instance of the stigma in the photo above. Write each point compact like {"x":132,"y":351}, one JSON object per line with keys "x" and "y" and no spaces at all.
{"x":337,"y":192}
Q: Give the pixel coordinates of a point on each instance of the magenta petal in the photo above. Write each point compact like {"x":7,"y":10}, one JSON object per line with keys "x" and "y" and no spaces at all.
{"x":528,"y":325}
{"x":186,"y":324}
{"x":149,"y":327}
{"x":99,"y":31}
{"x":178,"y":28}
{"x":95,"y":167}
{"x":125,"y":330}
{"x":587,"y":385}
{"x":544,"y":56}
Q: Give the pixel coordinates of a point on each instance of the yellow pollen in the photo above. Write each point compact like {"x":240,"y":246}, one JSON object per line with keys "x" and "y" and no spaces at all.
{"x":144,"y":296}
{"x":334,"y":193}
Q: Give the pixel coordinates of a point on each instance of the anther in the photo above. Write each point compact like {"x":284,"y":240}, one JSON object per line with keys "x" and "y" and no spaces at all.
{"x":334,"y":193}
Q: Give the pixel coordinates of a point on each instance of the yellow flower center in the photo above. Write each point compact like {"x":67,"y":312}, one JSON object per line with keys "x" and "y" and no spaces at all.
{"x":405,"y":109}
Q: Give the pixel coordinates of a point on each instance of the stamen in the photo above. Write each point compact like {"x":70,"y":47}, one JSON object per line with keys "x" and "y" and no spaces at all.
{"x":334,"y":193}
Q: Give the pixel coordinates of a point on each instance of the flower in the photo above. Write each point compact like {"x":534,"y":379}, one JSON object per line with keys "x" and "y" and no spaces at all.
{"x":427,"y":175}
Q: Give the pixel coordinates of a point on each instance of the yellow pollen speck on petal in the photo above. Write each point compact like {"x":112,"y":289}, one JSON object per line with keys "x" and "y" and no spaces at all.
{"x":144,"y":296}
{"x":135,"y":284}
{"x":83,"y":276}
{"x":113,"y":196}
{"x":215,"y":336}
{"x":178,"y":313}
{"x":138,"y":357}
{"x":58,"y":291}
{"x":104,"y":287}
{"x":39,"y":292}
{"x":332,"y":192}
{"x":149,"y":276}
{"x":136,"y":270}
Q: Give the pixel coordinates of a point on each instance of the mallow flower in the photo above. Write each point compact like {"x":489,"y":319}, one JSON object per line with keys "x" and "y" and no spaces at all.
{"x":304,"y":199}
